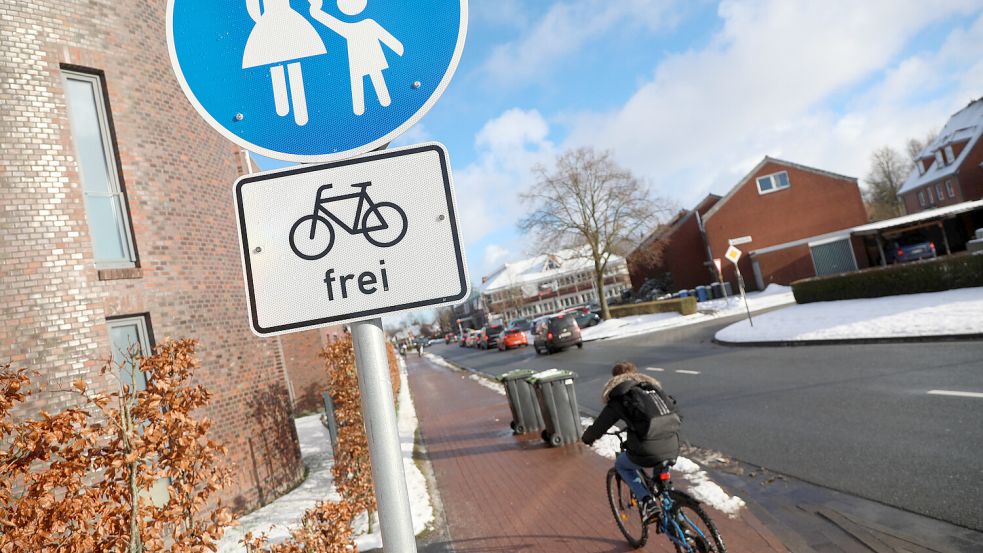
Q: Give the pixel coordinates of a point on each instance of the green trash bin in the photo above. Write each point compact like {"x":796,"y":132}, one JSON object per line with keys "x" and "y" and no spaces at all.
{"x":558,"y":404}
{"x":526,"y":416}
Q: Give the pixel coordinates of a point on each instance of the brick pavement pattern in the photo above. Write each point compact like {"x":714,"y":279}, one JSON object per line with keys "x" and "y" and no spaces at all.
{"x":512,"y":493}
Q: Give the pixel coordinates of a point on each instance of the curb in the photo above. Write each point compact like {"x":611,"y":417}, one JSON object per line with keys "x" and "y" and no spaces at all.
{"x":855,"y":341}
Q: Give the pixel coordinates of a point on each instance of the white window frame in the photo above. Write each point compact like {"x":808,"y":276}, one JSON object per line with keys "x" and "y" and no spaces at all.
{"x":949,"y":188}
{"x":938,"y":191}
{"x":109,"y":151}
{"x":774,"y":182}
{"x":949,"y":154}
{"x":921,"y":198}
{"x":939,"y":158}
{"x":142,"y":332}
{"x":931,"y":196}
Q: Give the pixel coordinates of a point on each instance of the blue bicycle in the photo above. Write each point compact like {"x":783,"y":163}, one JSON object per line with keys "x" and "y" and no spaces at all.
{"x":680,"y":517}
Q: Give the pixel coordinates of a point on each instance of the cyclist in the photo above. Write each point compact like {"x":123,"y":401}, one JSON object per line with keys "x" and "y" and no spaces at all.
{"x":652,"y":424}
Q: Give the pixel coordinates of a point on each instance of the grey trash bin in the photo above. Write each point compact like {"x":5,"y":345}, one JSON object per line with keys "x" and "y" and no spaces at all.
{"x":558,"y":403}
{"x":526,"y":416}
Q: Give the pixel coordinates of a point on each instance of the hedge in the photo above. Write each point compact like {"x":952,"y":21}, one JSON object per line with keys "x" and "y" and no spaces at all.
{"x":685,"y":306}
{"x":945,"y":273}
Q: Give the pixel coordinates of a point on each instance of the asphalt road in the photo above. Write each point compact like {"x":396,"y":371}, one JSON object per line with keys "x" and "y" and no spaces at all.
{"x":855,"y":418}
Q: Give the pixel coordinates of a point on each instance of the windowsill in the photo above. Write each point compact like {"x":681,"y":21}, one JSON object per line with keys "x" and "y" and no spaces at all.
{"x":122,"y":273}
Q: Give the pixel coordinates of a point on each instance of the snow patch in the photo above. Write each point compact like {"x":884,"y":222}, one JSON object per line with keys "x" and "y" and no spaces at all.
{"x":700,"y":485}
{"x":283,"y":515}
{"x":491,"y":385}
{"x":949,"y":313}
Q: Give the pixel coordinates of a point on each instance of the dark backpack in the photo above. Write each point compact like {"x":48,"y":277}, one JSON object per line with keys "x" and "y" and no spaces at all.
{"x":645,"y":404}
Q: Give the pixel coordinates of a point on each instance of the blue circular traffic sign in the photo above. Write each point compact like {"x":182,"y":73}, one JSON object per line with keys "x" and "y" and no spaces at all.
{"x":314,"y":80}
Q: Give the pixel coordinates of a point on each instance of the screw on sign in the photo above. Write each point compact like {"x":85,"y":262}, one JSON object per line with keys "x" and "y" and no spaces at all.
{"x":324,"y":81}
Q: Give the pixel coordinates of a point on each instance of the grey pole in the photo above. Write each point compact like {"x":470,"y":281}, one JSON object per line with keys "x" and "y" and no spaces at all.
{"x":379,"y":414}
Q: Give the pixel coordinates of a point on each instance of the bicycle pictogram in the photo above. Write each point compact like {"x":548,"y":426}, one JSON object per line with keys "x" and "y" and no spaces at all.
{"x":383,"y":224}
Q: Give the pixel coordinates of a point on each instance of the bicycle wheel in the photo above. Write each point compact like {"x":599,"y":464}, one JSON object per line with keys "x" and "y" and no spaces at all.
{"x":627,"y":511}
{"x":690,"y":528}
{"x":392,"y":219}
{"x":308,"y":241}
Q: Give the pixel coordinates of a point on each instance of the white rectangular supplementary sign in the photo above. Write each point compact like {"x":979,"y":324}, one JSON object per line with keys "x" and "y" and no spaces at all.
{"x":350,"y":240}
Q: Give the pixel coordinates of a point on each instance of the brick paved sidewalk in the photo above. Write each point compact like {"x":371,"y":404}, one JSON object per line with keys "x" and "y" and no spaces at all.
{"x":504,"y":493}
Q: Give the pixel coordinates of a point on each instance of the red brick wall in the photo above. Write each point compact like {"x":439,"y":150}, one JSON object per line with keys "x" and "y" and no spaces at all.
{"x":971,"y":174}
{"x":783,"y":266}
{"x":813,"y":204}
{"x":178,"y":175}
{"x":305,"y":368}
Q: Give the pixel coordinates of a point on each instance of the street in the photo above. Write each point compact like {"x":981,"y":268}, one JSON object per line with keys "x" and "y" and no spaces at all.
{"x":855,"y":418}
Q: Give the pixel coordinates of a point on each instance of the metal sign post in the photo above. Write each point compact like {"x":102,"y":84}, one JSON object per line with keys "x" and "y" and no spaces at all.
{"x":382,"y":432}
{"x":734,"y":255}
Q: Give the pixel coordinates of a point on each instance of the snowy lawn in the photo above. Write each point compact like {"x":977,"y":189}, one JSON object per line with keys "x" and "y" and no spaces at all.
{"x":772,"y":296}
{"x":700,"y":485}
{"x":284,"y":514}
{"x":948,"y":313}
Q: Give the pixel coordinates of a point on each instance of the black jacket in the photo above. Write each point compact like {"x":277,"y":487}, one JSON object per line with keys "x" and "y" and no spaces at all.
{"x":661,"y":443}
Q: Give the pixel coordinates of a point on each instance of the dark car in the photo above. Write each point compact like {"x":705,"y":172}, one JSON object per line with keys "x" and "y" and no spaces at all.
{"x":556,"y":333}
{"x":911,"y":248}
{"x":489,"y":336}
{"x":525,"y":325}
{"x":585,"y":317}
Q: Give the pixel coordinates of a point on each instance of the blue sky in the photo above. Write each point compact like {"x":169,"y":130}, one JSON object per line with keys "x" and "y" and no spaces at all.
{"x":689,"y":95}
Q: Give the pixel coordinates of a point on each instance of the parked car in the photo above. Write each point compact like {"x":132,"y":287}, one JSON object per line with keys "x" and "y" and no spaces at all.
{"x":911,"y":248}
{"x":513,"y":338}
{"x":472,"y":340}
{"x":556,"y":333}
{"x":489,"y":336}
{"x":585,"y":317}
{"x":525,"y":325}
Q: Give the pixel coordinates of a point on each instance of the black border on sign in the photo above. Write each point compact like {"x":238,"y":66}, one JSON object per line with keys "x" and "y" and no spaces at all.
{"x":448,"y":193}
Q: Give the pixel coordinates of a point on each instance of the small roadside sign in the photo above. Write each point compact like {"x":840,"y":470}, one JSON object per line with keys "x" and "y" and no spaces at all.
{"x":733,"y":254}
{"x":718,"y":263}
{"x":350,"y":240}
{"x":314,"y":80}
{"x":739,"y":241}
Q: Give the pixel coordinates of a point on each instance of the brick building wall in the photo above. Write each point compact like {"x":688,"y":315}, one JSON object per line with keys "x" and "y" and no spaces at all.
{"x":815,"y":203}
{"x":177,"y":175}
{"x":683,"y":253}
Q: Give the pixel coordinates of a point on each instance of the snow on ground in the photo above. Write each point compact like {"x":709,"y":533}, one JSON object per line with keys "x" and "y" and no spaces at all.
{"x":490,"y":384}
{"x":773,"y":296}
{"x":952,"y":312}
{"x":700,"y":485}
{"x":284,"y":514}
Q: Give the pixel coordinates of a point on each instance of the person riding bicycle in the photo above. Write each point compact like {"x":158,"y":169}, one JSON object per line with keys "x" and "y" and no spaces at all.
{"x":652,"y":424}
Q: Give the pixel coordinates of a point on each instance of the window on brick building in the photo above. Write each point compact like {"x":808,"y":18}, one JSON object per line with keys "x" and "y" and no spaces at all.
{"x":129,"y":336}
{"x":949,"y":189}
{"x":938,"y":191}
{"x":773,"y":183}
{"x":931,"y":198}
{"x":105,"y":204}
{"x":939,"y":160}
{"x":921,"y":198}
{"x":949,"y":154}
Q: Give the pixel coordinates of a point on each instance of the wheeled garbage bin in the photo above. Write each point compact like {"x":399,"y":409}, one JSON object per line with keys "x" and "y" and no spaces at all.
{"x":558,"y":403}
{"x":702,"y":293}
{"x":526,"y":416}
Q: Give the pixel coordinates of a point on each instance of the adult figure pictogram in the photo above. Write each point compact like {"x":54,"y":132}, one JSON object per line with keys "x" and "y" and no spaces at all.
{"x":282,"y":37}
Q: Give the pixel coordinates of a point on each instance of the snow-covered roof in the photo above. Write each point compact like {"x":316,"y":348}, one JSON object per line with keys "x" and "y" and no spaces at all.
{"x":541,"y":268}
{"x":966,"y":125}
{"x":937,"y":213}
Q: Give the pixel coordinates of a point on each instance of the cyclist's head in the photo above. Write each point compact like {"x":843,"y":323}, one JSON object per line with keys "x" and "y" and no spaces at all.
{"x":623,"y":367}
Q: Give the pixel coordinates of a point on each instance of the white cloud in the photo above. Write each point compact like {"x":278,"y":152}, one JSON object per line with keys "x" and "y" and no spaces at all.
{"x":415,"y":135}
{"x":488,"y":189}
{"x":495,"y":254}
{"x":767,"y":84}
{"x":564,"y":30}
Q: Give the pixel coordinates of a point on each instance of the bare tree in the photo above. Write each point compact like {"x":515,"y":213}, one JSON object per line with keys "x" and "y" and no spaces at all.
{"x":588,"y":204}
{"x":888,"y":172}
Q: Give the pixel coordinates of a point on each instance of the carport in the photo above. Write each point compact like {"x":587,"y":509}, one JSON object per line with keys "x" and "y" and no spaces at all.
{"x":950,"y":227}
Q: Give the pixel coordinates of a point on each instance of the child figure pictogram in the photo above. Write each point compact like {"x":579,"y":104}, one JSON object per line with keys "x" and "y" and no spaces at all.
{"x":365,"y":54}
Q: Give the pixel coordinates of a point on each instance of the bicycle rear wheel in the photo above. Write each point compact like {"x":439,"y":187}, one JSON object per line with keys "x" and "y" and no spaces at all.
{"x":692,"y":527}
{"x":627,"y":511}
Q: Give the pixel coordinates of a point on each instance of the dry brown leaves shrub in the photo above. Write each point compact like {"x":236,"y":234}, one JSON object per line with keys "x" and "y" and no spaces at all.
{"x":327,"y":528}
{"x":80,"y":480}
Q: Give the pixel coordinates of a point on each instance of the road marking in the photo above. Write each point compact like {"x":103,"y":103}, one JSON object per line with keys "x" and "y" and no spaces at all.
{"x":957,"y":394}
{"x":688,"y":372}
{"x":653,"y":369}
